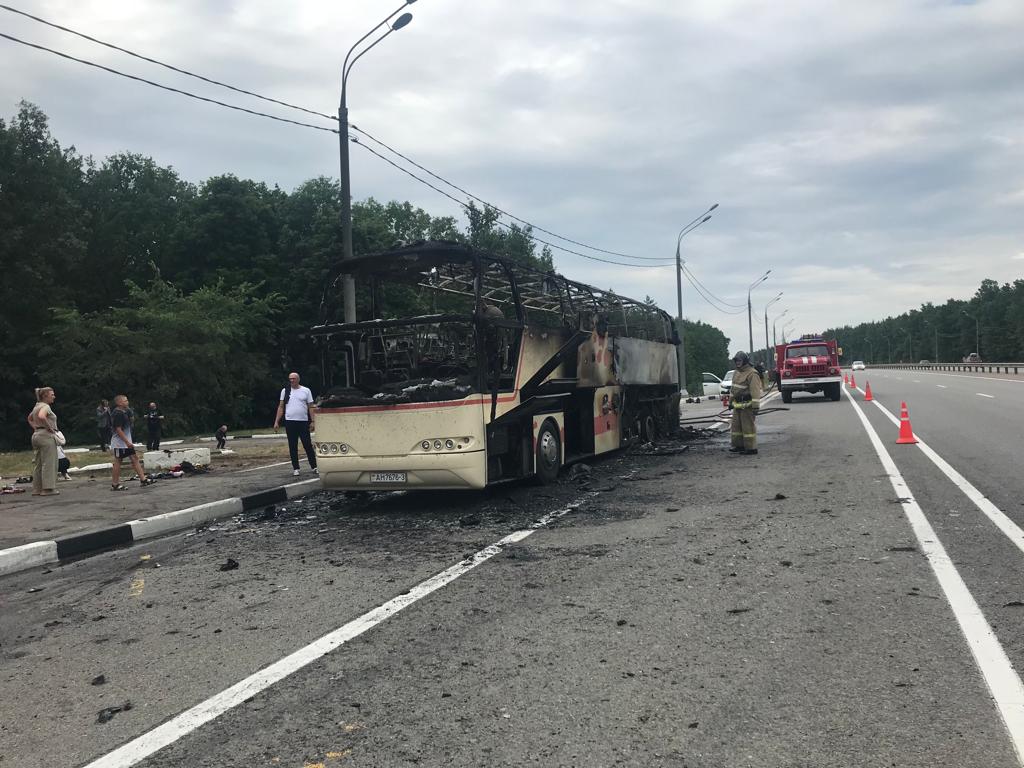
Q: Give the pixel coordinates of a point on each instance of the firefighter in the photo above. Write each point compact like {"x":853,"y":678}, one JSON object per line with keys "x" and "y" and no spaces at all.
{"x":746,"y":396}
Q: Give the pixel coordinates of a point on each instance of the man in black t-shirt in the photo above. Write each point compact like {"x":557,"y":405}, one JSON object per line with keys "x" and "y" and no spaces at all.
{"x":153,"y":424}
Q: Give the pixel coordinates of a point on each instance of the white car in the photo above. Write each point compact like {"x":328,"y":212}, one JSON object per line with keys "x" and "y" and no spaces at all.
{"x":712,"y":385}
{"x":858,"y":365}
{"x":727,"y":381}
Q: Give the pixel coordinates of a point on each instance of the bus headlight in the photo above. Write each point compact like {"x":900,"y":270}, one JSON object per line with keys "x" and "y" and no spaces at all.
{"x":425,"y":445}
{"x":323,"y":448}
{"x":344,"y":448}
{"x":437,"y":445}
{"x":334,"y":447}
{"x":449,"y":444}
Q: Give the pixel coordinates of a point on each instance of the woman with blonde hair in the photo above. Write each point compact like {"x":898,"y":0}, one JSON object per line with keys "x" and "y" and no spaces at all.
{"x":44,"y":443}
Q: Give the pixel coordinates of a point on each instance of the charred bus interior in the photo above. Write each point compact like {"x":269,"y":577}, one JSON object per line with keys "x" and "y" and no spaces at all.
{"x":451,"y":322}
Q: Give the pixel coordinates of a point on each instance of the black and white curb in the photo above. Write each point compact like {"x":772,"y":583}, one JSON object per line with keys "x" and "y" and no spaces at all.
{"x":78,"y":545}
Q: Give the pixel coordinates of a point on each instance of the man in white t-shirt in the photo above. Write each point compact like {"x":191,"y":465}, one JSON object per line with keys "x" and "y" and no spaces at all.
{"x":296,"y":407}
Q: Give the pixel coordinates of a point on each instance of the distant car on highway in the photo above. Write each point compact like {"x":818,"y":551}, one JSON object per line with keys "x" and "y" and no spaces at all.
{"x":858,"y":365}
{"x":974,"y":357}
{"x":925,"y":362}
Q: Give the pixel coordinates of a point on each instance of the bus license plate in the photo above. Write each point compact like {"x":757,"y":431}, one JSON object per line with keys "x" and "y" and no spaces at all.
{"x":387,"y":477}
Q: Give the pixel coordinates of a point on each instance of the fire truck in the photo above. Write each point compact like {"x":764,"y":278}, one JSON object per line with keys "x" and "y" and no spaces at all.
{"x":808,"y":364}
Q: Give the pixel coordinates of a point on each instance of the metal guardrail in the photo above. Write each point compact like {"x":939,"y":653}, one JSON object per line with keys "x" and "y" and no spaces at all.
{"x":1007,"y":368}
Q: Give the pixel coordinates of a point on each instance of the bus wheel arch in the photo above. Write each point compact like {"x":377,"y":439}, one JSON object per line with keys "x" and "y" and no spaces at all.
{"x":548,"y":453}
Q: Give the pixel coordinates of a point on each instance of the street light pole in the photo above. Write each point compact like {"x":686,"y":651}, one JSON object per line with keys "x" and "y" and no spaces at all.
{"x":871,"y":349}
{"x":681,"y":347}
{"x":935,"y":328}
{"x":910,"y":348}
{"x":750,"y":312}
{"x":767,"y":361}
{"x":977,"y":331}
{"x":348,"y":284}
{"x":888,"y":342}
{"x":785,"y":334}
{"x":775,"y":320}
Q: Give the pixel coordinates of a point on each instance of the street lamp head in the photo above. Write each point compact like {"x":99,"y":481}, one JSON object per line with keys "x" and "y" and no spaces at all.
{"x":402,"y":20}
{"x":409,"y":2}
{"x":712,"y":207}
{"x":705,"y":218}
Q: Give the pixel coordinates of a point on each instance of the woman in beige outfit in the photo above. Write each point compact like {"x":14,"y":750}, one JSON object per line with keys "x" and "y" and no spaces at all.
{"x":44,"y":445}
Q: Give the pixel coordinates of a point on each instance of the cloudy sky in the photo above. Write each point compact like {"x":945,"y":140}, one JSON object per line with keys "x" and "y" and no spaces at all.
{"x":869,"y":152}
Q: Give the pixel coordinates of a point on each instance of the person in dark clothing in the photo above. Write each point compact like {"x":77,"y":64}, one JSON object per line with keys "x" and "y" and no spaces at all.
{"x":103,"y":425}
{"x":222,"y":436}
{"x":153,"y":424}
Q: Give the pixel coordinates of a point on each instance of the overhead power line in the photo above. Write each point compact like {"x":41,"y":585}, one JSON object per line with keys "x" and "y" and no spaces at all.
{"x":171,"y":67}
{"x":709,"y":301}
{"x":711,"y":293}
{"x":412,"y":162}
{"x":306,"y":110}
{"x":451,"y":197}
{"x":235,"y":107}
{"x":166,"y":87}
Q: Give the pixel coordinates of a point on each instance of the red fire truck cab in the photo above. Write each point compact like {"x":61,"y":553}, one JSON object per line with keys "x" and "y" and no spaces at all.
{"x":808,"y":364}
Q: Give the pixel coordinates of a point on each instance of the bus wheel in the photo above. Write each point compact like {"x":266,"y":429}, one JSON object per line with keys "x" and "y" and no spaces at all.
{"x":648,"y":428}
{"x":549,"y":453}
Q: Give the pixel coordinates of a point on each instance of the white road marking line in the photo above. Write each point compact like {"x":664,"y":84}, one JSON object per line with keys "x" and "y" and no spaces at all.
{"x":1009,"y":528}
{"x":140,"y":748}
{"x":982,"y":394}
{"x":1001,"y":678}
{"x":917,"y":381}
{"x":978,"y":378}
{"x":265,"y":466}
{"x":942,"y":386}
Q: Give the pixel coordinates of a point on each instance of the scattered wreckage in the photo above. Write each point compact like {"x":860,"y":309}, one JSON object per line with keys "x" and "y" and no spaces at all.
{"x":478,"y":369}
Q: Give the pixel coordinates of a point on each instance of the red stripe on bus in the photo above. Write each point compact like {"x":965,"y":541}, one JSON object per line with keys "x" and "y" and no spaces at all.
{"x":414,"y":406}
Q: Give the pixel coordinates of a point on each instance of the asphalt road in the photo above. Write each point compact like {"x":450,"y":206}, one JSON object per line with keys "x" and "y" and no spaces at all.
{"x":687,"y":610}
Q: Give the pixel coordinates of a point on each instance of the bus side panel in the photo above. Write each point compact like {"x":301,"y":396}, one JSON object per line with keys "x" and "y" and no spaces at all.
{"x":607,"y":426}
{"x":639,"y":361}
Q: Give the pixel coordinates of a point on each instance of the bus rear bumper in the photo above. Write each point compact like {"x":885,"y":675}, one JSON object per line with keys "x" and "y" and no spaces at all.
{"x":434,"y":471}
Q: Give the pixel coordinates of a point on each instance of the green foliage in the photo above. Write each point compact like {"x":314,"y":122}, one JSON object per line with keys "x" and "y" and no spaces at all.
{"x":944,"y":333}
{"x":42,"y":243}
{"x":197,"y":355}
{"x":706,"y":349}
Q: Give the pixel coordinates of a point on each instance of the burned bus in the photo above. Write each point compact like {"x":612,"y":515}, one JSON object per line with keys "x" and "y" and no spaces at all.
{"x":477,"y":369}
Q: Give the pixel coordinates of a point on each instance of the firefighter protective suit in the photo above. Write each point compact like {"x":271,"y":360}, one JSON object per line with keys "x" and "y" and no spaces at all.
{"x":746,"y":394}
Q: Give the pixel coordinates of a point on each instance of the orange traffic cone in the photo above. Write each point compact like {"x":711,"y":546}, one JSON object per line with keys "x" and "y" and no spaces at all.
{"x":846,"y":378}
{"x":867,"y":393}
{"x":906,"y":431}
{"x":853,"y":381}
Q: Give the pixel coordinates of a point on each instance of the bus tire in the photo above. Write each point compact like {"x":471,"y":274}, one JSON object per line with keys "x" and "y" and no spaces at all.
{"x":648,"y":427}
{"x":548,"y":453}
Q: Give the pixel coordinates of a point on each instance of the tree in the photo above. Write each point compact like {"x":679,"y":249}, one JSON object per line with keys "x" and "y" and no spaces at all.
{"x":199,"y":355}
{"x":42,"y":242}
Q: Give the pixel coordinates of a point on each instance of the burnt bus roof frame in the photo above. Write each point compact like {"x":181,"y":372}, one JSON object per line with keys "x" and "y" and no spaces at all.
{"x":526,"y":287}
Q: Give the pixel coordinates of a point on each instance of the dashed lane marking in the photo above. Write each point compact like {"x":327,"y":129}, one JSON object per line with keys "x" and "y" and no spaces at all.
{"x":982,"y":394}
{"x":140,"y":748}
{"x":942,"y":386}
{"x":976,"y":378}
{"x":999,"y":518}
{"x":1001,"y":678}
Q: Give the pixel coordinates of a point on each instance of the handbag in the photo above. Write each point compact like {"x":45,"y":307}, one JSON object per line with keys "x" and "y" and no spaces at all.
{"x":59,"y":437}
